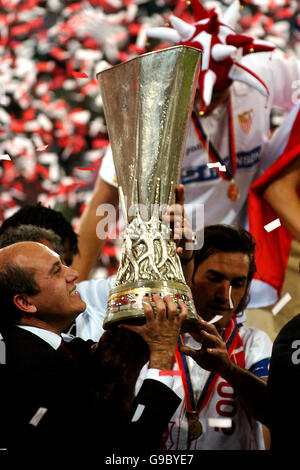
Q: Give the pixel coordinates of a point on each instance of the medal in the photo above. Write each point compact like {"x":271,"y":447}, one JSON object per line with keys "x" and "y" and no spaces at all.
{"x":230,"y":168}
{"x":193,"y":406}
{"x":233,"y":191}
{"x":195,"y":427}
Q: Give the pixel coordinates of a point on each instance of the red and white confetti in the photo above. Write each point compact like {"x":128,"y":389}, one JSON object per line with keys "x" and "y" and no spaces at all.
{"x":281,"y":303}
{"x":220,"y":422}
{"x":42,"y":148}
{"x":38,"y":416}
{"x":171,"y":373}
{"x":215,"y":319}
{"x":272,"y":225}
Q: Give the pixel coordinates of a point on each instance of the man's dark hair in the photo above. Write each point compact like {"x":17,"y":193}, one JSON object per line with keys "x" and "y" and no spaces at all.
{"x":228,"y":239}
{"x":14,"y":280}
{"x":44,"y":217}
{"x":31,"y":233}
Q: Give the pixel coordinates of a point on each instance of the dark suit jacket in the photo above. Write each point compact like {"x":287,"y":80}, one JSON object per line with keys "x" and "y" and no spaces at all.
{"x":78,"y":418}
{"x":284,"y":388}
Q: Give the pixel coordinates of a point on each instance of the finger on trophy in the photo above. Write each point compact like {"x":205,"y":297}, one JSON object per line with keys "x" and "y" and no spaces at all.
{"x":183,"y":311}
{"x":160,"y":307}
{"x":171,"y":310}
{"x":178,"y":229}
{"x":175,"y":210}
{"x":175,"y":308}
{"x":174,"y":218}
{"x":148,"y":310}
{"x":179,"y":194}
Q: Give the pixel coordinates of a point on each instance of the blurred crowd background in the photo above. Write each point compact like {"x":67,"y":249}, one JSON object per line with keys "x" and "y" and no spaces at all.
{"x":52,"y":125}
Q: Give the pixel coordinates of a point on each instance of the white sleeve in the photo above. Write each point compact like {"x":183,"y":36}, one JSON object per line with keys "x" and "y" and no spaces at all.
{"x":107,"y":168}
{"x":285,"y":74}
{"x":257,"y":347}
{"x":95,"y":293}
{"x":280,"y":72}
{"x":279,"y":139}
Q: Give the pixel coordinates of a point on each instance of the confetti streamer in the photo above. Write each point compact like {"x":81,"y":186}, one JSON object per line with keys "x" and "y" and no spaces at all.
{"x":38,"y":416}
{"x":214,"y":165}
{"x":90,"y":168}
{"x":230,"y":299}
{"x":42,"y":148}
{"x":169,"y":372}
{"x":272,"y":225}
{"x":220,"y":422}
{"x":282,"y":302}
{"x":79,"y":75}
{"x":138,"y":412}
{"x":217,"y":165}
{"x":215,"y":319}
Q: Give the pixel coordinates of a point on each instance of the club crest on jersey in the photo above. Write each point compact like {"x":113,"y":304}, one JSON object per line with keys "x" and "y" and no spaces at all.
{"x":245,"y":120}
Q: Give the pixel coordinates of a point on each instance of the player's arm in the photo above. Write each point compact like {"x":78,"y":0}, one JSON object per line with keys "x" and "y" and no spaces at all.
{"x":251,"y":390}
{"x":281,"y":194}
{"x":89,"y":243}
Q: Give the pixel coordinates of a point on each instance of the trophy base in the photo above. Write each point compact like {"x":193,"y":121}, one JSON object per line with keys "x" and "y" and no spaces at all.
{"x":125,"y":302}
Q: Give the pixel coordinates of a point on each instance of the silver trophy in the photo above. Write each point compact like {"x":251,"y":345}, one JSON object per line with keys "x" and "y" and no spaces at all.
{"x":147,"y":104}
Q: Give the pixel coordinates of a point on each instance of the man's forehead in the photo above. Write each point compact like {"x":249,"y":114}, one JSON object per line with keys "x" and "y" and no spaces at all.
{"x":236,"y":263}
{"x":28,"y":254}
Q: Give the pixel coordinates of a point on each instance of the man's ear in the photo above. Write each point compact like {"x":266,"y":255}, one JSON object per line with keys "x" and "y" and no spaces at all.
{"x":24,"y":303}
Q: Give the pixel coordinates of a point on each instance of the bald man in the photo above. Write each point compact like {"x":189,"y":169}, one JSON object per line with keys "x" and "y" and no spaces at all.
{"x":62,"y":397}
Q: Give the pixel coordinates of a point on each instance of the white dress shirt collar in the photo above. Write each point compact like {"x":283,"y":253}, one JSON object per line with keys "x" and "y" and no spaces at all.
{"x":51,"y":338}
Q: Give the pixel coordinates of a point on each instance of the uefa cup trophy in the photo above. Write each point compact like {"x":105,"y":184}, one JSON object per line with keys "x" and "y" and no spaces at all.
{"x":147,"y":104}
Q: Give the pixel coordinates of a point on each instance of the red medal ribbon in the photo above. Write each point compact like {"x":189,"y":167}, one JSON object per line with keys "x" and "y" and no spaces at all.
{"x":232,"y":340}
{"x":212,"y":152}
